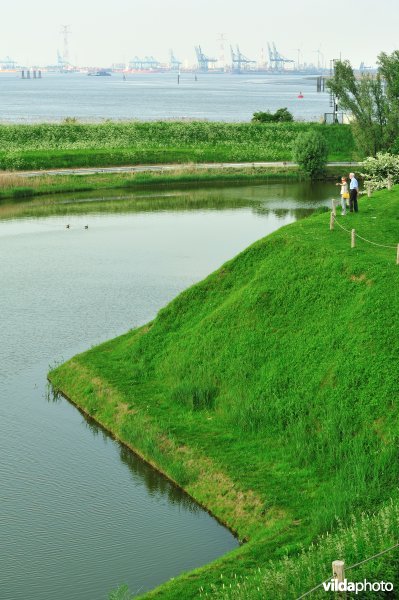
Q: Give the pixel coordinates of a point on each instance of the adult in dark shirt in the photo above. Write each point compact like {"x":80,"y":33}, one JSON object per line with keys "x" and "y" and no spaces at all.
{"x":353,"y":193}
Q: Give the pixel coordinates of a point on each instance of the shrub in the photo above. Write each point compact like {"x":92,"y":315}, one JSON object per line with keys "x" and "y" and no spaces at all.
{"x":380,"y":167}
{"x":376,"y":170}
{"x":262,"y":117}
{"x":282,"y":115}
{"x":310,"y":152}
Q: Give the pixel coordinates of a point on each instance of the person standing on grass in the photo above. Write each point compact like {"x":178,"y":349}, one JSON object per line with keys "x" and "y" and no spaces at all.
{"x":344,"y":194}
{"x":353,"y":193}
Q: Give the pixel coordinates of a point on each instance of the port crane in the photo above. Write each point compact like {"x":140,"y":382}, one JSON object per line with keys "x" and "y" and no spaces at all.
{"x":8,"y":64}
{"x":277,"y":61}
{"x":148,"y":63}
{"x":240,"y":62}
{"x":203,"y":60}
{"x":174,"y":63}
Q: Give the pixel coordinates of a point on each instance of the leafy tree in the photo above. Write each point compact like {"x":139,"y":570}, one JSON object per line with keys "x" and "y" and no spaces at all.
{"x":310,"y":152}
{"x":372,"y":100}
{"x":389,"y":70}
{"x":282,"y":115}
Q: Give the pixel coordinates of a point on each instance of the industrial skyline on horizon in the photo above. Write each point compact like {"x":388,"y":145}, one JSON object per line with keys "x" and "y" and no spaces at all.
{"x":228,"y":58}
{"x":31,"y":34}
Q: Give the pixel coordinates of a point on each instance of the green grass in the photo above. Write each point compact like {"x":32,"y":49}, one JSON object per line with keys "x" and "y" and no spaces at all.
{"x":269,"y":392}
{"x":47,"y":146}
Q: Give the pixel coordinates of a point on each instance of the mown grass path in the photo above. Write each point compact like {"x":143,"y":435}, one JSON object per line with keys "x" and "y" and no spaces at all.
{"x":173,"y":167}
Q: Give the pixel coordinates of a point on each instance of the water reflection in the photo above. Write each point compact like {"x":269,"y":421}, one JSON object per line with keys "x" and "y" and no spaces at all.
{"x":141,"y":472}
{"x":259,"y":197}
{"x":51,"y":395}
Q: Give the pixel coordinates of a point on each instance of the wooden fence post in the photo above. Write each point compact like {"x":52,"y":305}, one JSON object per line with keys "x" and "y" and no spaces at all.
{"x":397,"y":255}
{"x":338,"y":568}
{"x":334,"y":210}
{"x":331,"y":221}
{"x":368,"y":185}
{"x":389,"y":183}
{"x":353,"y":238}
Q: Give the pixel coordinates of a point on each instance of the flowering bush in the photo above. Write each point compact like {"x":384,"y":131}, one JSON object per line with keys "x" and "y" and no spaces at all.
{"x":376,"y":170}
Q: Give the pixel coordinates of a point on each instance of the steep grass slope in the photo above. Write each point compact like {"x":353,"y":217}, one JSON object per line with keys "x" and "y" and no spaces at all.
{"x":269,"y":390}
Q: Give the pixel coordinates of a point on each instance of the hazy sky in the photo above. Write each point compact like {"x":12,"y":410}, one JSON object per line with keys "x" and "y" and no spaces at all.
{"x":115,"y":31}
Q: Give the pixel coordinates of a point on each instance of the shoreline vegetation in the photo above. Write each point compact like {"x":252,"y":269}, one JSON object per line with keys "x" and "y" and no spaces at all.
{"x":267,"y":392}
{"x":69,"y":145}
{"x":15,"y":187}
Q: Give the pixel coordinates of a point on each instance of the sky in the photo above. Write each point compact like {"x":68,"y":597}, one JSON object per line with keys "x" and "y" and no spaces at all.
{"x":116,"y":31}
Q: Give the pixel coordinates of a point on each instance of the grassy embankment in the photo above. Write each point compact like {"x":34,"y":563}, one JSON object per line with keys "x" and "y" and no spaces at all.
{"x":13,"y":186}
{"x":269,"y":392}
{"x":67,"y":145}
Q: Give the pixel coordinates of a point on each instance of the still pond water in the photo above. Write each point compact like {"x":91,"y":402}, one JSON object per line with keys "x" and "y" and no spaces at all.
{"x":79,"y":513}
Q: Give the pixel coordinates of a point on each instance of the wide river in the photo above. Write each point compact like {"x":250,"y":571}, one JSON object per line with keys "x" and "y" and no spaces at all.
{"x":80,"y":514}
{"x":155,"y":96}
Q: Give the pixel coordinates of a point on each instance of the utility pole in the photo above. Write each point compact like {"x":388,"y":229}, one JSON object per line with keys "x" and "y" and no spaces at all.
{"x":333,"y":100}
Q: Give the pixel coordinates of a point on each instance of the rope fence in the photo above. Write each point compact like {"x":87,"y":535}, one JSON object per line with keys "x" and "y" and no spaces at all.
{"x":354,"y":235}
{"x":338,"y":568}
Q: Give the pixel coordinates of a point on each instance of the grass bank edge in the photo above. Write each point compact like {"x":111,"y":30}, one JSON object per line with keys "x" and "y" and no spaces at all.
{"x":239,"y":513}
{"x":238,"y":510}
{"x":13,"y":187}
{"x":234,"y":509}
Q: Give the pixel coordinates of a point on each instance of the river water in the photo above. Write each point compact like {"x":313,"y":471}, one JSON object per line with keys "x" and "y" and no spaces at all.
{"x":79,"y":513}
{"x":224,"y":97}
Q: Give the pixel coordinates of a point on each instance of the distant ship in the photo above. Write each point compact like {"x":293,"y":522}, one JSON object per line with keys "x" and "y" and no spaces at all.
{"x":100,"y":73}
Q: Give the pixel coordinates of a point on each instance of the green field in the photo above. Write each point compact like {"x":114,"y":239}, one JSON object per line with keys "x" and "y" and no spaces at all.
{"x":269,"y":391}
{"x":44,"y":146}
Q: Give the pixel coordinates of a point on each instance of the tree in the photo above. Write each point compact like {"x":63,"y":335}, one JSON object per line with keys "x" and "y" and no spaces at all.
{"x":311,"y":152}
{"x":389,"y":70}
{"x":372,"y":100}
